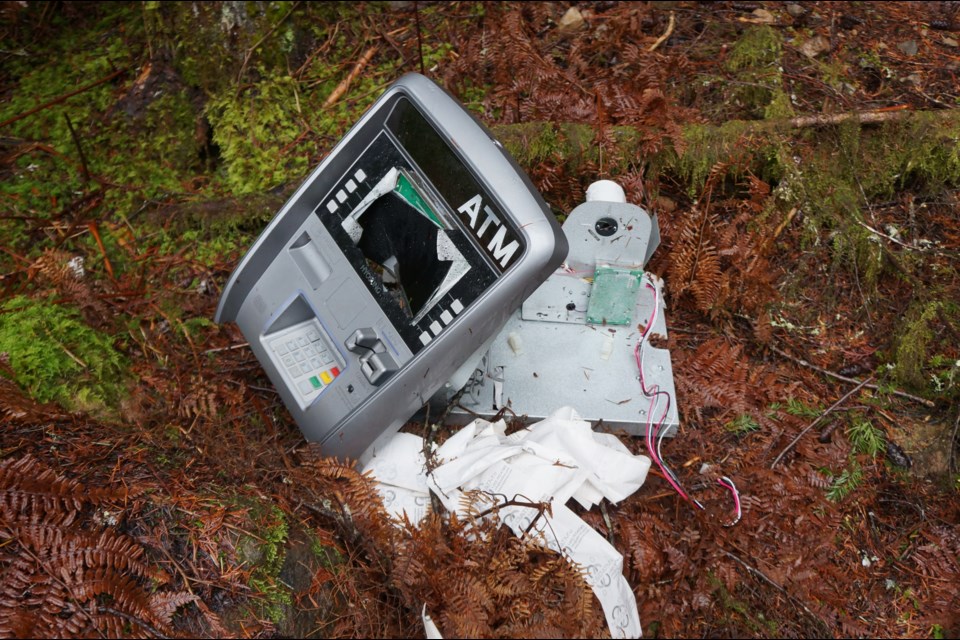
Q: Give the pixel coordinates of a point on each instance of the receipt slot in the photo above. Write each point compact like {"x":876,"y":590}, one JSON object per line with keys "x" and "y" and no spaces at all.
{"x":400,"y":256}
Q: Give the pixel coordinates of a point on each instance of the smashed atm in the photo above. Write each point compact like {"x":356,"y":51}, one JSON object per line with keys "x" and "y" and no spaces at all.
{"x":401,"y":254}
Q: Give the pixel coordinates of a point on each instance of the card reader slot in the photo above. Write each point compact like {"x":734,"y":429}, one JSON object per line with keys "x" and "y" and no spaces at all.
{"x":306,"y":254}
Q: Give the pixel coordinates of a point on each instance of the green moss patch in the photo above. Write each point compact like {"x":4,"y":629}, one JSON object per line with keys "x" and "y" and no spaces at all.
{"x":57,"y":357}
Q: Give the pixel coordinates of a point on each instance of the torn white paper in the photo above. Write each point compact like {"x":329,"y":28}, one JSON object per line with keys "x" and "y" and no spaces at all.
{"x":399,"y":467}
{"x":550,"y":462}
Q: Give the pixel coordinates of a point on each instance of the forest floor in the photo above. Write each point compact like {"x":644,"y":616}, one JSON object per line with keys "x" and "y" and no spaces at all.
{"x":804,"y":162}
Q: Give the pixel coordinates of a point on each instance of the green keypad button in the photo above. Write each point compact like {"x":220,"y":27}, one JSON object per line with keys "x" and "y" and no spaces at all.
{"x":315,"y":382}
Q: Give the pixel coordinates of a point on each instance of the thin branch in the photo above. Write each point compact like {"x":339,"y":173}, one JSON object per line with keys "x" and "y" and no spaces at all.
{"x":896,"y":392}
{"x":863,"y":117}
{"x":133,"y":620}
{"x":759,"y":574}
{"x":666,"y":34}
{"x":953,"y":442}
{"x":416,"y":15}
{"x":345,"y":83}
{"x":817,"y":421}
{"x":230,"y":348}
{"x":92,"y":226}
{"x":60,"y":99}
{"x":783,"y":225}
{"x":76,"y":141}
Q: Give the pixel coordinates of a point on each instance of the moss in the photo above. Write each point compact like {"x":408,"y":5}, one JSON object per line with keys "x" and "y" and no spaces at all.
{"x":210,"y":233}
{"x":912,"y":351}
{"x":57,"y":357}
{"x":266,"y":555}
{"x":755,"y":62}
{"x":472,"y":97}
{"x":779,"y":106}
{"x":209,"y":41}
{"x":759,"y":46}
{"x":138,"y":131}
{"x":252,"y":130}
{"x":45,"y":181}
{"x":734,"y":144}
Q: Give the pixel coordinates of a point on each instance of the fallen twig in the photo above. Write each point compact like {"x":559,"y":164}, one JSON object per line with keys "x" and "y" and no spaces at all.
{"x":345,"y":83}
{"x":416,"y":16}
{"x":666,"y":34}
{"x":230,"y":348}
{"x":92,"y":226}
{"x":896,"y":392}
{"x":953,"y":443}
{"x":759,"y":574}
{"x":783,"y":225}
{"x":133,"y":620}
{"x":863,"y":117}
{"x":76,"y":141}
{"x":817,"y":420}
{"x":60,"y":99}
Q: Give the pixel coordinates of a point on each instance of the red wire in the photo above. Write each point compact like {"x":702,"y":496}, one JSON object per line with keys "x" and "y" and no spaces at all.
{"x":653,"y":430}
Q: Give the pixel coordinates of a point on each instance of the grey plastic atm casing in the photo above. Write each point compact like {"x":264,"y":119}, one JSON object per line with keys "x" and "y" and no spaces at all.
{"x":270,"y":283}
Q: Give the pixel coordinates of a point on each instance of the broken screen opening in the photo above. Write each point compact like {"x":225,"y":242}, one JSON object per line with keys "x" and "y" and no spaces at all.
{"x":406,"y":244}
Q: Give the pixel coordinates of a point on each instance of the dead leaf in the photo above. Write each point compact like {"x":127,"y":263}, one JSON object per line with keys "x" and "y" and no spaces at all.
{"x":815,"y":46}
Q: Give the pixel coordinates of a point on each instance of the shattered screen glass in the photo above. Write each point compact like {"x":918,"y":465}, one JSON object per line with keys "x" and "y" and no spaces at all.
{"x":406,"y":243}
{"x":397,"y":226}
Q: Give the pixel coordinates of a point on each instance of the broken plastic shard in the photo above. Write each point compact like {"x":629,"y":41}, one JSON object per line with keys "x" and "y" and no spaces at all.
{"x":385,"y":186}
{"x":408,"y":191}
{"x":446,"y":252}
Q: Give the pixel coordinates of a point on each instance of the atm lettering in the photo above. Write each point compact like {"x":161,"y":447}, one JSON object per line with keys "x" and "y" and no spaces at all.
{"x":491,"y":217}
{"x":472,"y":208}
{"x":500,"y":252}
{"x":489,"y":230}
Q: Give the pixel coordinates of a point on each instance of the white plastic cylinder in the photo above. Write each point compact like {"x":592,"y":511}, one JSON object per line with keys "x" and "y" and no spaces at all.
{"x":605,"y":191}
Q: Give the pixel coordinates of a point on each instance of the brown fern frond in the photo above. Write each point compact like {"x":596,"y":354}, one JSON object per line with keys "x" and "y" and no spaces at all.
{"x":695,"y":265}
{"x":17,"y":407}
{"x":200,"y":400}
{"x":57,"y":269}
{"x":56,"y":576}
{"x":707,"y":280}
{"x":718,"y":376}
{"x":30,"y":494}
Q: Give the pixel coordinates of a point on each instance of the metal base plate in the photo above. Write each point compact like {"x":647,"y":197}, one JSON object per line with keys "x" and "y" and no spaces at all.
{"x":548,"y":355}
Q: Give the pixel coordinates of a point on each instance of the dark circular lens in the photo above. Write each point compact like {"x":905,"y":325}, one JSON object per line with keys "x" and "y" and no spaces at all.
{"x":606,"y":226}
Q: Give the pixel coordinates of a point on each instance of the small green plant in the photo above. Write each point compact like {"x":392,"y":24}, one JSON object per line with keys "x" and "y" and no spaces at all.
{"x":846,"y":483}
{"x":742,"y":424}
{"x":865,"y":437}
{"x":800,"y":409}
{"x":915,"y":339}
{"x":945,"y":373}
{"x":56,"y":356}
